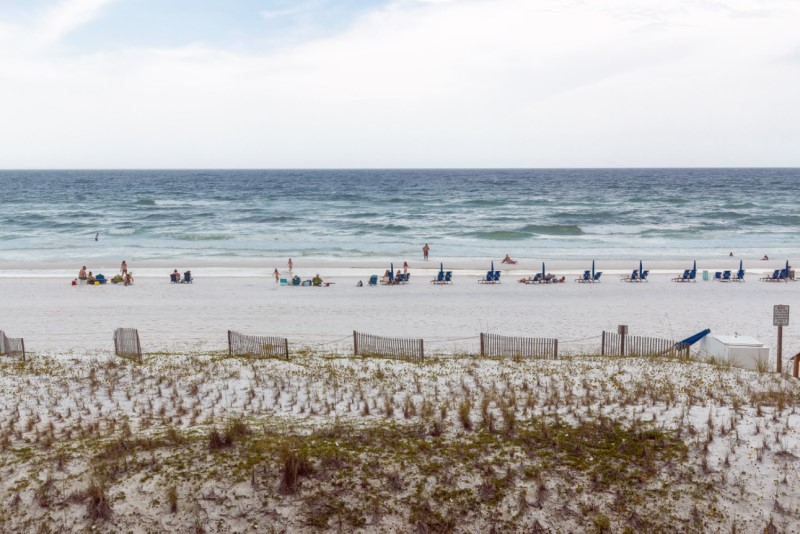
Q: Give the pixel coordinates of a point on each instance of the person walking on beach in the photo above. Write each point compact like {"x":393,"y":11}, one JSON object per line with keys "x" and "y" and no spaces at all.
{"x":290,"y":264}
{"x":123,"y":268}
{"x":405,"y":268}
{"x":425,"y":251}
{"x":277,"y":276}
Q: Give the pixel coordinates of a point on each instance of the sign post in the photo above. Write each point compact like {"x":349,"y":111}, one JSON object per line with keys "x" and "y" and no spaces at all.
{"x":780,"y":318}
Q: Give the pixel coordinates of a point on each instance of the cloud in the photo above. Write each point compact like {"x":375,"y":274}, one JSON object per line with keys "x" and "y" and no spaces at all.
{"x":65,"y":17}
{"x":498,"y":83}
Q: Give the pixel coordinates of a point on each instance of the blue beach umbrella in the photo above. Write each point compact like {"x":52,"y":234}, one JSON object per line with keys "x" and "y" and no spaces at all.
{"x":787,"y":268}
{"x":492,"y":266}
{"x":543,"y":275}
{"x":391,"y":272}
{"x":694,"y":266}
{"x":593,"y":269}
{"x":640,"y":269}
{"x":741,"y":264}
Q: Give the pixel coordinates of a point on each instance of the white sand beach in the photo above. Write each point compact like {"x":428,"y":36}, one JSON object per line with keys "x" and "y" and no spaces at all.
{"x":54,"y":317}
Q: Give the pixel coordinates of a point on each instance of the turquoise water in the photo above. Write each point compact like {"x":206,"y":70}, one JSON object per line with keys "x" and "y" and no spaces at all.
{"x":567,"y":214}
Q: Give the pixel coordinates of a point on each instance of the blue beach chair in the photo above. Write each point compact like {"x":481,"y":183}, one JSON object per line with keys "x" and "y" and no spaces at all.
{"x":373,"y":280}
{"x":587,"y":277}
{"x":597,"y":276}
{"x":685,"y":277}
{"x":448,"y":277}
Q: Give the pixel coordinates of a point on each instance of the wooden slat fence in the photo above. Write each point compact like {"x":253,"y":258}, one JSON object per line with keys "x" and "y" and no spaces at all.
{"x":389,"y":347}
{"x":126,"y":344}
{"x":493,"y":345}
{"x":259,"y":346}
{"x":613,"y":344}
{"x":12,"y":346}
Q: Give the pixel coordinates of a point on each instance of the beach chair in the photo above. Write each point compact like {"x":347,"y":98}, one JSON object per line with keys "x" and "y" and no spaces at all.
{"x":776,"y":276}
{"x":373,"y":280}
{"x":726,"y":276}
{"x":685,"y":277}
{"x":174,"y":278}
{"x":634,"y":277}
{"x":739,"y":276}
{"x":187,"y":278}
{"x":644,"y":276}
{"x":693,"y":275}
{"x":597,"y":276}
{"x":448,"y":277}
{"x":100,"y":278}
{"x":497,"y":277}
{"x":587,"y":277}
{"x":488,"y":279}
{"x":439,"y":278}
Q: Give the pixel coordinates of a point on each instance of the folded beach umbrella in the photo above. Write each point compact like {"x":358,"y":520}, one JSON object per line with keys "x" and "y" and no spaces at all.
{"x":441,"y":267}
{"x":592,"y":269}
{"x":543,"y":275}
{"x":640,"y":269}
{"x":694,"y":266}
{"x":492,"y":266}
{"x":391,"y":272}
{"x":741,"y":263}
{"x":787,"y":267}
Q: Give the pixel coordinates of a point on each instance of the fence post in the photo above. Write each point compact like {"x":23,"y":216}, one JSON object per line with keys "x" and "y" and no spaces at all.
{"x":483,"y":350}
{"x":622,"y":330}
{"x":355,"y":343}
{"x":286,"y":347}
{"x":138,"y":348}
{"x":421,"y":350}
{"x":555,"y":349}
{"x":230,"y":347}
{"x":22,"y":341}
{"x":603,"y":344}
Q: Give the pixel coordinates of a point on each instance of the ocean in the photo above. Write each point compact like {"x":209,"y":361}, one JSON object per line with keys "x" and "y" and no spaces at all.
{"x":53,"y":216}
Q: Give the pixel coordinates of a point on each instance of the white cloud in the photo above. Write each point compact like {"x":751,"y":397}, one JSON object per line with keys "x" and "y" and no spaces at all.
{"x":416,"y":84}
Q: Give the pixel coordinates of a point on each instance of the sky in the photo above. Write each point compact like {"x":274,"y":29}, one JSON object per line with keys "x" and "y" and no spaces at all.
{"x":399,"y":83}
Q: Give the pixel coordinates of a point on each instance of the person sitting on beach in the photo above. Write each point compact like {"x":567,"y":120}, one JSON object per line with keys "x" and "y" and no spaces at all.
{"x":82,"y":273}
{"x":765,"y":258}
{"x":187,"y":277}
{"x":398,"y":276}
{"x":548,"y":278}
{"x":386,"y":276}
{"x":316,"y":281}
{"x":295,"y":280}
{"x":562,"y":279}
{"x":90,"y":278}
{"x":508,"y":260}
{"x":128,"y":278}
{"x":175,"y":277}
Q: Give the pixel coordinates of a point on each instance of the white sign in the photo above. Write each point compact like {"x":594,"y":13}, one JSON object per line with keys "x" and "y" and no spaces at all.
{"x":780,"y":315}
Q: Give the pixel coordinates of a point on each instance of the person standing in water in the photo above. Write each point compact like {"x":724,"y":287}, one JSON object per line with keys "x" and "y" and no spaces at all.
{"x":97,"y":236}
{"x":290,"y":264}
{"x":277,"y":276}
{"x":425,"y":251}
